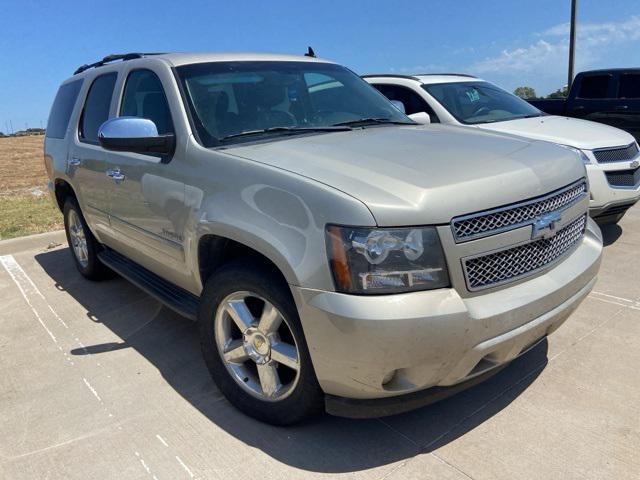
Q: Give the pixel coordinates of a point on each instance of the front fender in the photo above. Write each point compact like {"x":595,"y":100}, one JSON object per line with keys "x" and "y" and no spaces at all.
{"x":277,"y":213}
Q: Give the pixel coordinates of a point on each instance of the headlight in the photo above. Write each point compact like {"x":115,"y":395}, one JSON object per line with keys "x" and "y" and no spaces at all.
{"x":580,"y":153}
{"x":386,"y":260}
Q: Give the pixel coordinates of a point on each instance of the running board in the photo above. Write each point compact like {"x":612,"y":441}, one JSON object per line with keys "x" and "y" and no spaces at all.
{"x":174,"y":297}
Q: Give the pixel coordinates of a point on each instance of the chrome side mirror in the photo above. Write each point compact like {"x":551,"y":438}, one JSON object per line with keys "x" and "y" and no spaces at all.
{"x":399,"y":105}
{"x":422,"y":118}
{"x":134,"y":134}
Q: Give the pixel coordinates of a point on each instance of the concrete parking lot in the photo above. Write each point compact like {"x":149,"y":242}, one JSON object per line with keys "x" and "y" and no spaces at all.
{"x":98,"y":380}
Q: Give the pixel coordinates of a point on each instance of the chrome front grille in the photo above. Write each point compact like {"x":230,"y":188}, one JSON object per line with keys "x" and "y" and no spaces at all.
{"x":608,"y":155}
{"x":508,"y":265}
{"x":494,"y":221}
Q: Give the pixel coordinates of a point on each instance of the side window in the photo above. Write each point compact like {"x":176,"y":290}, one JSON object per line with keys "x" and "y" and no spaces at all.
{"x":594,"y":86}
{"x":144,"y":97}
{"x":629,"y":85}
{"x":96,"y":107}
{"x":62,"y":108}
{"x":413,"y":103}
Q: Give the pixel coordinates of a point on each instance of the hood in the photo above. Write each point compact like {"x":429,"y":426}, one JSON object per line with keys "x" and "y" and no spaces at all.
{"x":574,"y":132}
{"x":419,"y":175}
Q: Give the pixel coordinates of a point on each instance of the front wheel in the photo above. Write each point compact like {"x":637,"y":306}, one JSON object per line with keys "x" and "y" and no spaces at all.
{"x":254,"y":347}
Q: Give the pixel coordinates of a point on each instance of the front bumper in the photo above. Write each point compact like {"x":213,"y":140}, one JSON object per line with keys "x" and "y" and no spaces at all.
{"x":371,"y":347}
{"x":606,"y":200}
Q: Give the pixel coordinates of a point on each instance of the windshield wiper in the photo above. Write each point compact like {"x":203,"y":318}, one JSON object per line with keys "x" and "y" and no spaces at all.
{"x":286,"y":130}
{"x":533,"y":115}
{"x":371,"y":121}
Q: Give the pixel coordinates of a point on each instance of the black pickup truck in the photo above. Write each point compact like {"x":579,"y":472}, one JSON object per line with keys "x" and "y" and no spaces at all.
{"x":607,"y":96}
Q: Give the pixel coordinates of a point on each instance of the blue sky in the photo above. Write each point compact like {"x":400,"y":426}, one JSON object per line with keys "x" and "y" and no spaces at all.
{"x":510,"y":42}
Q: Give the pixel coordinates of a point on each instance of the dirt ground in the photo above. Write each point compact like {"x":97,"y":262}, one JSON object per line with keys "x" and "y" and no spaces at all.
{"x":25,"y":206}
{"x":21,"y":164}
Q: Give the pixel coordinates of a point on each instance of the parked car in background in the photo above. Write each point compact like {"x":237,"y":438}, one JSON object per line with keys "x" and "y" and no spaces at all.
{"x":607,"y":96}
{"x":611,"y":156}
{"x":335,"y":254}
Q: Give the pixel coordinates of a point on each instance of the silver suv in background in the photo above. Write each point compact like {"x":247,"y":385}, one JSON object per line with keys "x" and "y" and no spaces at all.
{"x":337,"y":255}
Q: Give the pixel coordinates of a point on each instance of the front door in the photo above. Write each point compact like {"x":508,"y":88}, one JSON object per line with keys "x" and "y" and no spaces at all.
{"x":147,"y":197}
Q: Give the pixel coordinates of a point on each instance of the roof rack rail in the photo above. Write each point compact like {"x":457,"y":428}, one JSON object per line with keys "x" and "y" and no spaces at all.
{"x":391,"y":75}
{"x":112,"y":58}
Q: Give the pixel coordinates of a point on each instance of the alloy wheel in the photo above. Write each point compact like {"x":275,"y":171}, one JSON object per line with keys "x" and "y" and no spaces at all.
{"x":78,"y":239}
{"x":257,"y":346}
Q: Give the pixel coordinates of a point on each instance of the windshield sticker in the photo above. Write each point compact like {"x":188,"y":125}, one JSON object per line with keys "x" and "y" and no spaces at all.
{"x":473,"y":95}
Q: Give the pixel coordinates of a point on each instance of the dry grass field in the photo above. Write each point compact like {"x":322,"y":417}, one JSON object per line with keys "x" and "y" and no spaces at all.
{"x":25,"y":205}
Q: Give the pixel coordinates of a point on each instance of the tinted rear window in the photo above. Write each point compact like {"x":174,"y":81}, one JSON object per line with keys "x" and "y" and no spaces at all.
{"x":629,"y":85}
{"x":62,"y":108}
{"x":594,"y":86}
{"x":96,"y":108}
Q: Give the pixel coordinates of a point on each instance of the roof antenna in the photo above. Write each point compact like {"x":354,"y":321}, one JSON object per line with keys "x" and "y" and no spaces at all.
{"x":310,"y":53}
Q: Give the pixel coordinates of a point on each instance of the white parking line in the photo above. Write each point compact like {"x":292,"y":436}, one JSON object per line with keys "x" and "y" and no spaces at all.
{"x":93,"y":390}
{"x":178,"y":459}
{"x":16,"y":272}
{"x":145,"y":466}
{"x":20,"y":279}
{"x":612,"y":299}
{"x":186,"y":469}
{"x":31,"y":292}
{"x":162,"y":440}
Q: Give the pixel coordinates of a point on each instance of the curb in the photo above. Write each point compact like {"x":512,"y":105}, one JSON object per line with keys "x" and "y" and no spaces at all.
{"x":39,"y":241}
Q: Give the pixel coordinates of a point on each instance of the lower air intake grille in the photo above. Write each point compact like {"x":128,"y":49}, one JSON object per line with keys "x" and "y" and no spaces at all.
{"x":509,"y":265}
{"x":624,"y":178}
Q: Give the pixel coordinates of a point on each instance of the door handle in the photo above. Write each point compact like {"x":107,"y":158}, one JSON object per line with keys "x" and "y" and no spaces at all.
{"x":579,"y":107}
{"x":116,"y":175}
{"x":622,"y":107}
{"x":74,"y":162}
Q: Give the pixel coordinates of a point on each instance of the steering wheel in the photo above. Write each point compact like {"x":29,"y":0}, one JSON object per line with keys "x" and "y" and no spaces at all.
{"x":480,"y":111}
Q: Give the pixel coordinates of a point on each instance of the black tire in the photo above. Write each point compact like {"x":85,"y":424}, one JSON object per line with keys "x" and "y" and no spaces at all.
{"x":92,"y":268}
{"x":609,"y":219}
{"x":306,"y":399}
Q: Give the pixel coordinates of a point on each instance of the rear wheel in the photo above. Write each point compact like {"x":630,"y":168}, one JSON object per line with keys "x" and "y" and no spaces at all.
{"x":83,"y":245}
{"x":254,"y":347}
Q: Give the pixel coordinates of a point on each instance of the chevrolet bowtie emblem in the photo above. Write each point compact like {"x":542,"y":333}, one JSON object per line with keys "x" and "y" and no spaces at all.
{"x":545,"y":225}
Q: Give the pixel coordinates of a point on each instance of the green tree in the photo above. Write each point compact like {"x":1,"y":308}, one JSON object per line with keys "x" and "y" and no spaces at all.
{"x":525,"y":92}
{"x":560,"y":93}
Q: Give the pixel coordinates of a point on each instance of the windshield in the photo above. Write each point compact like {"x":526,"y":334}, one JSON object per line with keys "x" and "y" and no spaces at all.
{"x":480,"y":102}
{"x":234,"y":102}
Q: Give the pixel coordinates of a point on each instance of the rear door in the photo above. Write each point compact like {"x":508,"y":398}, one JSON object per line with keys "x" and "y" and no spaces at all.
{"x":87,"y":159}
{"x":627,"y":103}
{"x":147,"y":205}
{"x":595,"y":99}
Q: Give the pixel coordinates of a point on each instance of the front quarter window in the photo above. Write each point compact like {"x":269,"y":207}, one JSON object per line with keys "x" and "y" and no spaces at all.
{"x":227,"y":99}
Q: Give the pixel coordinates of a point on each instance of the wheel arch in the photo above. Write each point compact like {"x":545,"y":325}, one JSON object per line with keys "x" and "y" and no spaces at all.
{"x":214,"y":250}
{"x":63,"y":190}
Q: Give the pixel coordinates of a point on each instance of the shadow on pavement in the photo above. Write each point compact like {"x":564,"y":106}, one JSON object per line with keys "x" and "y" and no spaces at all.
{"x":327,"y":444}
